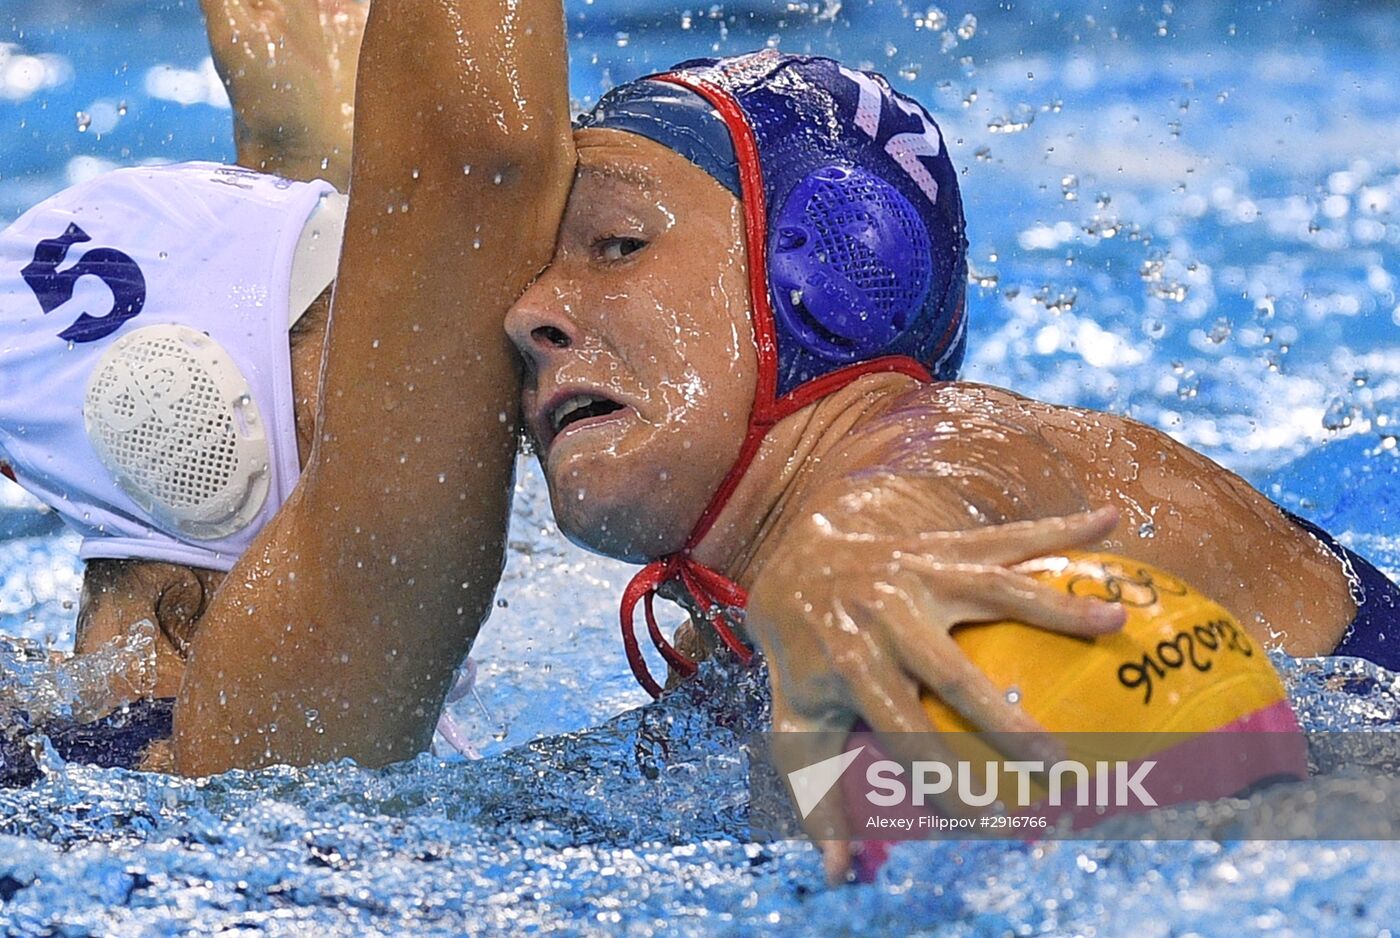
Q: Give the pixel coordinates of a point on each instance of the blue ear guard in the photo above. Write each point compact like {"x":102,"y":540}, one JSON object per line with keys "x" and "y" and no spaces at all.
{"x":847,"y":263}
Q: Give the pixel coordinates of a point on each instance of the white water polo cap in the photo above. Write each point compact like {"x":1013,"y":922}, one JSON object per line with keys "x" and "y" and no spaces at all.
{"x":145,"y":369}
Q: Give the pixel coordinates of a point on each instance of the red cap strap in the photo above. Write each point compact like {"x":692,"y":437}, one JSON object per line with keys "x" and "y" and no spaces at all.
{"x":712,"y":592}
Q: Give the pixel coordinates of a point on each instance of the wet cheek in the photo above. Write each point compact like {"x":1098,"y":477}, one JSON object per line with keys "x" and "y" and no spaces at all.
{"x":697,"y":357}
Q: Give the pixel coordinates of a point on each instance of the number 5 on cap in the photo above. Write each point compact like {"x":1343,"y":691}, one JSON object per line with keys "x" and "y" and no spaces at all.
{"x":117,"y":270}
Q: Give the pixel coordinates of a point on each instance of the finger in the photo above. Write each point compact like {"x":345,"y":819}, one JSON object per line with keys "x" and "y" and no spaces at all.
{"x":836,"y":861}
{"x":988,"y":594}
{"x":910,"y":749}
{"x":933,"y":659}
{"x":1013,"y":542}
{"x":825,"y":821}
{"x":889,"y":701}
{"x":949,"y":674}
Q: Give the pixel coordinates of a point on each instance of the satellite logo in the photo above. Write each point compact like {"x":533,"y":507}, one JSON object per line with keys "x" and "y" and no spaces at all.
{"x":810,"y":784}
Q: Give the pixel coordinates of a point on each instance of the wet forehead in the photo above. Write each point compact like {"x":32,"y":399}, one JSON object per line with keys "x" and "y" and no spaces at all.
{"x":622,"y":157}
{"x":627,"y":169}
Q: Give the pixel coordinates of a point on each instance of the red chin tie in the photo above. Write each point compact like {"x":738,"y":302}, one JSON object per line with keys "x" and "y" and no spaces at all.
{"x":713,"y":593}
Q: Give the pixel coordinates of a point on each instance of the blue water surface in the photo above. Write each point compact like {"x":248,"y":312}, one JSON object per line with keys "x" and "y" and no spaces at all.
{"x":1185,"y":212}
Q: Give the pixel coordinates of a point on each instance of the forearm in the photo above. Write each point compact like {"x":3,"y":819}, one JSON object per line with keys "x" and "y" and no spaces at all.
{"x":338,"y":633}
{"x":290,"y":70}
{"x":304,"y":156}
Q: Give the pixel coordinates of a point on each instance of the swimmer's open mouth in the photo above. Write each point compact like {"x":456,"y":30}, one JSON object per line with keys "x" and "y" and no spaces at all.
{"x":578,"y":408}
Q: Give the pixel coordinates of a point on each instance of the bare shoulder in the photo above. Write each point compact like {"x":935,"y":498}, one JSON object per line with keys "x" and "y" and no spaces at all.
{"x":1182,"y":511}
{"x":968,"y":405}
{"x":965,"y":454}
{"x":983,"y":421}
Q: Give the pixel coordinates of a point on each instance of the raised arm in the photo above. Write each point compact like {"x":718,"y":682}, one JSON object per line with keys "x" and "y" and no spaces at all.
{"x":338,"y":632}
{"x":289,"y":67}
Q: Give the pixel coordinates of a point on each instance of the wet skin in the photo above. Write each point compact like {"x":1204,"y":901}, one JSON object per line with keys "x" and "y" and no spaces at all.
{"x":645,"y":306}
{"x":290,"y":71}
{"x":878,"y":519}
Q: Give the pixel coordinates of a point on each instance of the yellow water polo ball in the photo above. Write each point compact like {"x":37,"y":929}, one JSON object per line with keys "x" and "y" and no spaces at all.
{"x":1181,"y":664}
{"x":1181,"y":685}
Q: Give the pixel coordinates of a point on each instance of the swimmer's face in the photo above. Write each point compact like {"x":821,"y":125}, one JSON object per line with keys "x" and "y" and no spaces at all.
{"x":640,"y":367}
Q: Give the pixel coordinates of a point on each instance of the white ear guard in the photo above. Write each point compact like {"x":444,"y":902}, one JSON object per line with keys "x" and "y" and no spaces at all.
{"x":172,"y":418}
{"x":317,"y":254}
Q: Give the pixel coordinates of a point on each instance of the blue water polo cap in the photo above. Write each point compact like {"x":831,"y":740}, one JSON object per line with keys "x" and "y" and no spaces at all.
{"x":848,"y":265}
{"x":861,"y":226}
{"x":674,"y":117}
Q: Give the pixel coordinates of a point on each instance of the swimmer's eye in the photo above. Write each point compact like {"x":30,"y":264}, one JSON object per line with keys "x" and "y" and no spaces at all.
{"x":615,"y":249}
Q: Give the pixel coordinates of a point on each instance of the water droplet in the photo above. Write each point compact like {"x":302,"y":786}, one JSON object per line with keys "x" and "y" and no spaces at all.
{"x":1339,"y":415}
{"x":84,"y":121}
{"x":1021,"y":117}
{"x":968,"y":27}
{"x":987,"y":279}
{"x":933,"y":19}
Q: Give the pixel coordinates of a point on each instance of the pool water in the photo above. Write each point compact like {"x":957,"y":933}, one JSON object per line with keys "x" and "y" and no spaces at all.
{"x":1183,"y":212}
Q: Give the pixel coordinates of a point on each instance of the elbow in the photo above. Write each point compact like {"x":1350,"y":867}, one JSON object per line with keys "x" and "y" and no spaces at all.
{"x":538,"y":182}
{"x":530,"y":158}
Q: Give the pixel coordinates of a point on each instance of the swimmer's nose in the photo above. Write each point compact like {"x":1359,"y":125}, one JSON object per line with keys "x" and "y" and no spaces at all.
{"x":538,"y":330}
